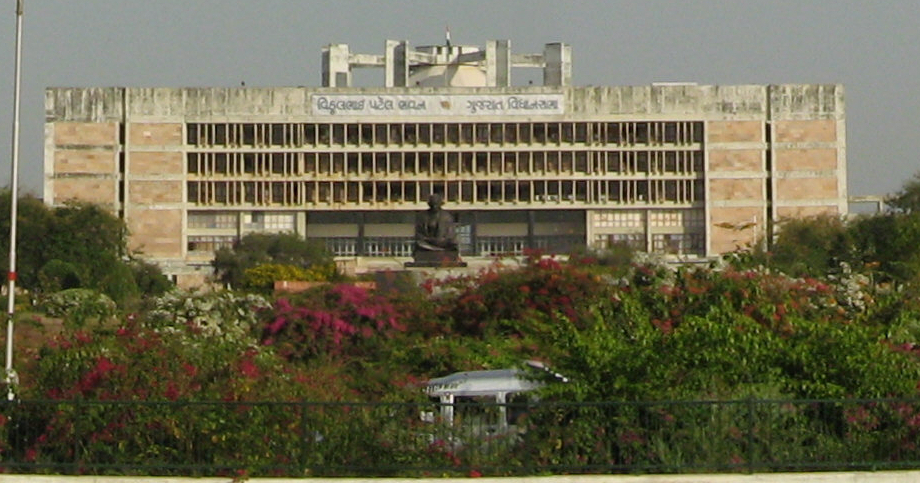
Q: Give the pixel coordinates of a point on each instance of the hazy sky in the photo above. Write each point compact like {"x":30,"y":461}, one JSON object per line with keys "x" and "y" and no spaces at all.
{"x":873,"y":48}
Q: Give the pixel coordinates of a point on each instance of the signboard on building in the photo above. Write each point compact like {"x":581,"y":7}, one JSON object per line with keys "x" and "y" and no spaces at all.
{"x":437,"y":105}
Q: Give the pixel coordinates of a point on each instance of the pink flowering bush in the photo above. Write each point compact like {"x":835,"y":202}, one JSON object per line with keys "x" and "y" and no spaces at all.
{"x":135,"y":362}
{"x":626,"y":335}
{"x":342,"y":320}
{"x":505,"y":301}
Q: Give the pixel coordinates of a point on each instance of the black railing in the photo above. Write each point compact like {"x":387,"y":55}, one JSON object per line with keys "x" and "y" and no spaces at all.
{"x":417,"y":439}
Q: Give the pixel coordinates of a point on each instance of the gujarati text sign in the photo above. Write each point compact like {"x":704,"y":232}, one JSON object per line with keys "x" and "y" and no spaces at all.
{"x":436,"y":105}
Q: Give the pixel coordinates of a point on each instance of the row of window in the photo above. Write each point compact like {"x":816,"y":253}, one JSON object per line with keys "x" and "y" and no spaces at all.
{"x":214,"y":219}
{"x":305,"y":193}
{"x":673,"y":243}
{"x":443,"y":134}
{"x":251,"y":221}
{"x":483,"y":246}
{"x":445,"y":163}
{"x":210,"y":243}
{"x":694,"y":218}
{"x":677,"y":243}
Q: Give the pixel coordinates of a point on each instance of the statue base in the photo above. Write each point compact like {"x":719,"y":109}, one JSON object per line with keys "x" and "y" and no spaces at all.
{"x":436,"y":259}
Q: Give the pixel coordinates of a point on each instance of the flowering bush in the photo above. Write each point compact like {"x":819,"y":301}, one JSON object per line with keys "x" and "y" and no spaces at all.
{"x":182,"y":357}
{"x":77,"y":306}
{"x":508,"y":301}
{"x":646,"y":333}
{"x":339,"y":320}
{"x":211,"y":314}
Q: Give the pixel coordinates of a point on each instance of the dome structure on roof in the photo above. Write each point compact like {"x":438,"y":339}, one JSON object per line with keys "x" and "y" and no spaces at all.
{"x":447,"y":68}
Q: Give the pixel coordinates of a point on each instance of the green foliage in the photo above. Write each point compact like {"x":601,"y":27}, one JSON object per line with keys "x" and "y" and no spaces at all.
{"x":76,"y":245}
{"x":149,"y":278}
{"x":256,"y":249}
{"x":888,"y":245}
{"x":35,"y":221}
{"x":908,"y":198}
{"x":79,"y":306}
{"x":638,"y":347}
{"x":263,"y":277}
{"x":57,"y":275}
{"x":882,"y":246}
{"x":811,"y":246}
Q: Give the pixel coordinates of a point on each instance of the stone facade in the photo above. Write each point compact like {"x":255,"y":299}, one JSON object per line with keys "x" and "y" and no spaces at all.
{"x":692,"y":171}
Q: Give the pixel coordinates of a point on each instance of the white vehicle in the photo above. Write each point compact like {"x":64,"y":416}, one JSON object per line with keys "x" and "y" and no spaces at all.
{"x":497,"y":390}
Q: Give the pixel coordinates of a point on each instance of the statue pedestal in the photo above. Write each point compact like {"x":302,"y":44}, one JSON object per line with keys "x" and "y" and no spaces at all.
{"x":436,"y":259}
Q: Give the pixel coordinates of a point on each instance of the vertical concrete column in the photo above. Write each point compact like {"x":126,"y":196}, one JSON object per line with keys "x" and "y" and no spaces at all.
{"x":531,"y":232}
{"x":649,"y":237}
{"x":557,"y":70}
{"x":123,"y":156}
{"x":336,"y":66}
{"x":396,"y":63}
{"x":359,"y":242}
{"x":498,"y":63}
{"x":50,"y":147}
{"x":474,"y":242}
{"x":707,"y":198}
{"x":839,"y":114}
{"x":589,"y":229}
{"x":301,"y":223}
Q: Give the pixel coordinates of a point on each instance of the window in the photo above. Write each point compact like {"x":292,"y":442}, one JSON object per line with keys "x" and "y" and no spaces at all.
{"x":212,"y":219}
{"x":259,"y":220}
{"x":636,"y":241}
{"x":679,"y":243}
{"x":208,"y":243}
{"x":619,"y":219}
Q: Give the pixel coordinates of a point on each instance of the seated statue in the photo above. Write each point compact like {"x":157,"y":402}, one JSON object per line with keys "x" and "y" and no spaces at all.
{"x":434,"y":229}
{"x":435,"y":237}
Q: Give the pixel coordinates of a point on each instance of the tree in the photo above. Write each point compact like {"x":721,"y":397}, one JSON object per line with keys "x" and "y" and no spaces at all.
{"x":149,"y":278}
{"x":257,"y":249}
{"x":890,"y":244}
{"x":810,"y":246}
{"x":78,"y":245}
{"x":35,"y":220}
{"x":908,"y":198}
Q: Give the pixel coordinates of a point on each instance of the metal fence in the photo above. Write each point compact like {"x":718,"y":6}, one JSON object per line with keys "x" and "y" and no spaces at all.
{"x":412,"y":439}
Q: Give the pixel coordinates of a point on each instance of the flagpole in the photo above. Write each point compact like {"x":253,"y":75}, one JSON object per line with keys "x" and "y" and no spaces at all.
{"x":11,"y":378}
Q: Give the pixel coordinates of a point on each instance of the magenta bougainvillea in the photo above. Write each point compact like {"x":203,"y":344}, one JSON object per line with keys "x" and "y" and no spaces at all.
{"x":342,"y":320}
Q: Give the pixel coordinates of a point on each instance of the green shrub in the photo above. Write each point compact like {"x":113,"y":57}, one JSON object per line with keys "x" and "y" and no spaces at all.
{"x":79,"y":306}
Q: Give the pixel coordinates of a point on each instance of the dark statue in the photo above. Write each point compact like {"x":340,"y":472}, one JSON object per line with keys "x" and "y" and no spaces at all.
{"x":435,"y":237}
{"x":434,"y":229}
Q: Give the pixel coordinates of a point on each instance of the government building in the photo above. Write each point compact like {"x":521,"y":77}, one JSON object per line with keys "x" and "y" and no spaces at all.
{"x":691,"y":171}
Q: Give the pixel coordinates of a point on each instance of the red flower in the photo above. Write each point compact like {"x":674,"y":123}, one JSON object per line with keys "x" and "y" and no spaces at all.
{"x":248,"y":367}
{"x":83,"y":337}
{"x":172,"y":391}
{"x":190,"y":370}
{"x":104,"y":365}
